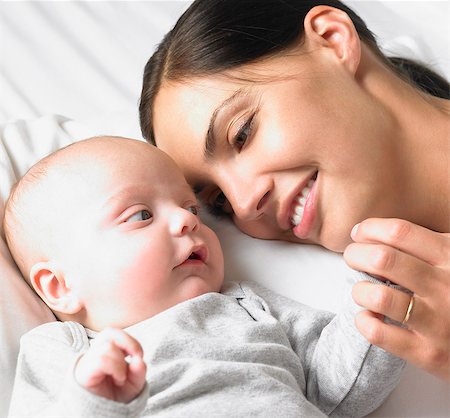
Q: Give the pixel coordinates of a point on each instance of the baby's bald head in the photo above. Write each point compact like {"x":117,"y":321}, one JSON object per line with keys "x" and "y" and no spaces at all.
{"x":41,"y":204}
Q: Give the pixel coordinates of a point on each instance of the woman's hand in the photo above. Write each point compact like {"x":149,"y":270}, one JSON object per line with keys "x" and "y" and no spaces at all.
{"x":113,"y":366}
{"x":418,"y":259}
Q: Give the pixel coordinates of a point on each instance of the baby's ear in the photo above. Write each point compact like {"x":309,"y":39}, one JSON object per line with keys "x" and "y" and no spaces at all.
{"x":51,"y":286}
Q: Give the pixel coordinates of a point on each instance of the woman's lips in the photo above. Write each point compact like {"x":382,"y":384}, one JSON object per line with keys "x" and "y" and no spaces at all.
{"x":304,"y":209}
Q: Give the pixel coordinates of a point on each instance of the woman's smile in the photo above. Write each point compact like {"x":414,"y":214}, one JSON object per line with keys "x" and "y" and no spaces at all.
{"x":303,"y":211}
{"x":292,"y":208}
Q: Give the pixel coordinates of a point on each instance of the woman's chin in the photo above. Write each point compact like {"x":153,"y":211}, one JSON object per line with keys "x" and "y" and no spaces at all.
{"x":336,"y":244}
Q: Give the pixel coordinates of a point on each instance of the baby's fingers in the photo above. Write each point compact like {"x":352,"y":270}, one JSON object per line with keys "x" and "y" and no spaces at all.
{"x":129,"y":345}
{"x":107,"y":357}
{"x":105,"y":360}
{"x":136,"y":371}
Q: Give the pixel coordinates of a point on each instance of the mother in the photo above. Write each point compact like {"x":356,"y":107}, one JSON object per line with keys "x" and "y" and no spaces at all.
{"x":286,"y":116}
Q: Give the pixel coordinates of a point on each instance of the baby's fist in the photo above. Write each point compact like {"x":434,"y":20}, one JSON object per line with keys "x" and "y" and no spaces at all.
{"x":113,"y":366}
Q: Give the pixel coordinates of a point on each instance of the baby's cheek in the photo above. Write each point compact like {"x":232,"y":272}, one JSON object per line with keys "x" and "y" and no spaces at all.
{"x":144,"y":288}
{"x":145,"y":268}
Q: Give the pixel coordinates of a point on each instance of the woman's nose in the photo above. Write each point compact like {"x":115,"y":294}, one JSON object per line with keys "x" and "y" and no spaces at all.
{"x":249,"y":199}
{"x":182,"y":221}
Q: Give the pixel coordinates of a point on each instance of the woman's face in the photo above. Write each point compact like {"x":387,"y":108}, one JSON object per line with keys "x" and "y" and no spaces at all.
{"x":302,"y":153}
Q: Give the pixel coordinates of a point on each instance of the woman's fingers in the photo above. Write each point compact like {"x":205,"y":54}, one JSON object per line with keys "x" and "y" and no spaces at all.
{"x":381,"y":299}
{"x":398,"y":341}
{"x":392,"y":303}
{"x":387,"y":262}
{"x":407,"y":344}
{"x":420,"y":242}
{"x":418,"y":259}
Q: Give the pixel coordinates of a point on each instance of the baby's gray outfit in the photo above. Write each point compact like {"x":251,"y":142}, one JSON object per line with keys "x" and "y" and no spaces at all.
{"x":244,"y":352}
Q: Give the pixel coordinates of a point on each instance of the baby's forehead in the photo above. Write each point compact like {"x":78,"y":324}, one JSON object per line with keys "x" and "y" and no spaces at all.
{"x":112,"y":152}
{"x":103,"y":163}
{"x":59,"y":184}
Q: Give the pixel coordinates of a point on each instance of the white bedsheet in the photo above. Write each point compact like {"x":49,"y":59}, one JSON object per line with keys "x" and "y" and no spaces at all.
{"x":85,"y":60}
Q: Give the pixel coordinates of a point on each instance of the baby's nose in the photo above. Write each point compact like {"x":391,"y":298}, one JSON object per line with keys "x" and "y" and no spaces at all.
{"x":182,"y":221}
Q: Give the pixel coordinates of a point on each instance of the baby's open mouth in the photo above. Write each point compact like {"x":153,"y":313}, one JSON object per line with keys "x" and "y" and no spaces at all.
{"x":198,"y":254}
{"x":195,"y":256}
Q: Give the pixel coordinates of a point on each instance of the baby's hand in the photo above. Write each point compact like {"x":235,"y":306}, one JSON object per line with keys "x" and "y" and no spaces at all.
{"x":113,"y":366}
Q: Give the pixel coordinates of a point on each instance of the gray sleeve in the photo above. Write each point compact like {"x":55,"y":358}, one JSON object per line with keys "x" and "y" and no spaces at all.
{"x":44,"y":385}
{"x":346,"y":376}
{"x":379,"y":372}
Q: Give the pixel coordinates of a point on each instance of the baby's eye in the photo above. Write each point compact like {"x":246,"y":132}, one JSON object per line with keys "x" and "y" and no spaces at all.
{"x":193,"y":209}
{"x":142,"y":215}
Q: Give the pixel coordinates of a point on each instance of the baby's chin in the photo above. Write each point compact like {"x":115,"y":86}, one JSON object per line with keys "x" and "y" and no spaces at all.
{"x":197,"y":286}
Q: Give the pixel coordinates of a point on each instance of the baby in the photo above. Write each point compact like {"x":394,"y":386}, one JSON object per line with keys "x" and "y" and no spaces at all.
{"x":106,"y":231}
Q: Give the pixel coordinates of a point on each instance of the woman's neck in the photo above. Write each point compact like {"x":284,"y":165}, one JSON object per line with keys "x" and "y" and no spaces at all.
{"x":429,"y":138}
{"x":422,"y":146}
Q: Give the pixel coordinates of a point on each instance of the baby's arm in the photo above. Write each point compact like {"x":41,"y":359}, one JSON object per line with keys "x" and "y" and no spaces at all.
{"x":345,"y":375}
{"x":56,"y":356}
{"x":348,"y":376}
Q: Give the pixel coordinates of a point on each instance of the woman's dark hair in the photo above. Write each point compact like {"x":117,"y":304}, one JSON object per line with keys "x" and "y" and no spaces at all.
{"x":216,"y":35}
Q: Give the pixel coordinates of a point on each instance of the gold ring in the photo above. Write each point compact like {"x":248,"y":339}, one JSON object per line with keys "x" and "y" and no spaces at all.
{"x":408,"y":310}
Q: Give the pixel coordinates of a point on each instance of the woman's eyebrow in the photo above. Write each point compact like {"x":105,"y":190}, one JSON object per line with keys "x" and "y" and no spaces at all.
{"x":198,"y":188}
{"x":210,"y":140}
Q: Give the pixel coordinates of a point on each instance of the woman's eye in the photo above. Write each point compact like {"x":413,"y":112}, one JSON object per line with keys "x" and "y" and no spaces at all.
{"x":142,"y":215}
{"x":220,"y":205}
{"x":243,"y":134}
{"x":220,"y":200}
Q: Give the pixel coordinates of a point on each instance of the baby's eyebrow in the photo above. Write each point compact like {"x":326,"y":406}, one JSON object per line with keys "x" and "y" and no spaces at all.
{"x":112,"y":207}
{"x":114,"y":204}
{"x":117,"y":197}
{"x":210,"y":139}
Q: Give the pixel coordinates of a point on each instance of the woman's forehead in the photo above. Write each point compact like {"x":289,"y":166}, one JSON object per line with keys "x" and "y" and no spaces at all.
{"x":182,"y":113}
{"x":185,"y":107}
{"x":193,"y":100}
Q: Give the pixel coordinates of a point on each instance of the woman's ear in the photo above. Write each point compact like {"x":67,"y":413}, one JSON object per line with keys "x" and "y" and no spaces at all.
{"x":51,"y":286}
{"x":328,"y":27}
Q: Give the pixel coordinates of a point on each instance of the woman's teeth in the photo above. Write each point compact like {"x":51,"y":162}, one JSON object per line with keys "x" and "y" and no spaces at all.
{"x":299,"y":203}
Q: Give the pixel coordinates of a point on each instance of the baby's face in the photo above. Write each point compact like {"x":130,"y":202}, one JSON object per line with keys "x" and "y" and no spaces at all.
{"x":140,"y":247}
